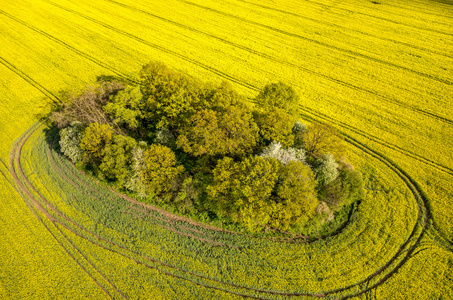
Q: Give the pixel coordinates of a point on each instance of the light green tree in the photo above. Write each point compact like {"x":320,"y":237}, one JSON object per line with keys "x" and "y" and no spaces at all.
{"x":95,"y":138}
{"x":124,"y":107}
{"x":117,"y":159}
{"x":161,"y":169}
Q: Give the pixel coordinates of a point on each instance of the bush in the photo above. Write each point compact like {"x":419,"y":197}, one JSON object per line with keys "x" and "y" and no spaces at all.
{"x":275,"y":150}
{"x":327,"y":170}
{"x":69,"y":141}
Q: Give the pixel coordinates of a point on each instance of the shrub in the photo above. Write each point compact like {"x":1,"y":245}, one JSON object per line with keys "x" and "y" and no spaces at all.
{"x":69,"y":141}
{"x":275,"y":150}
{"x":327,"y":170}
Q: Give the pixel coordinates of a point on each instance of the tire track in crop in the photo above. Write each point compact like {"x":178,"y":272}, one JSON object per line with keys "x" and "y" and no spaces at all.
{"x":29,"y":80}
{"x":383,"y":19}
{"x":334,"y":25}
{"x":281,"y":61}
{"x":22,"y":190}
{"x":332,"y":47}
{"x":93,"y":192}
{"x":378,"y":272}
{"x":67,"y":46}
{"x":329,"y":78}
{"x":153,"y":45}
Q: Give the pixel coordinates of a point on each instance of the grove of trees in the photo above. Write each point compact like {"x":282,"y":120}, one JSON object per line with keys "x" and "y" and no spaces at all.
{"x":205,"y":150}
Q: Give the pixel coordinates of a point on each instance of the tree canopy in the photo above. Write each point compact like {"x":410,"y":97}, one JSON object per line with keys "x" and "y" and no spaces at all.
{"x":202,"y":146}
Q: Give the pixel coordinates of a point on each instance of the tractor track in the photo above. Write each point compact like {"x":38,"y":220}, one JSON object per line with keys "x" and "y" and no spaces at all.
{"x":325,"y":45}
{"x":15,"y":160}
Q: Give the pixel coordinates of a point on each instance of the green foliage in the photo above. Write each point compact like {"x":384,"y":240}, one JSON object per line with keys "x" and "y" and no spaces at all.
{"x":345,"y":189}
{"x":161,"y":169}
{"x":260,"y":192}
{"x":124,"y":108}
{"x":96,"y":137}
{"x":327,"y":171}
{"x":229,"y":132}
{"x":296,"y":196}
{"x":275,"y":125}
{"x":279,"y":95}
{"x":117,"y":158}
{"x":242,"y":189}
{"x":321,"y":139}
{"x":70,"y":142}
{"x":169,"y":96}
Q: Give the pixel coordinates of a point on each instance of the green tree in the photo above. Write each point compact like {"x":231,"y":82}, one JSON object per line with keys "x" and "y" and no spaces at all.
{"x":275,"y":125}
{"x":116,"y":160}
{"x":207,"y":132}
{"x":345,"y":189}
{"x":95,"y":138}
{"x":242,"y":190}
{"x":169,"y":97}
{"x":161,"y":169}
{"x":279,"y":95}
{"x":296,"y":196}
{"x":124,"y":107}
{"x":321,"y":139}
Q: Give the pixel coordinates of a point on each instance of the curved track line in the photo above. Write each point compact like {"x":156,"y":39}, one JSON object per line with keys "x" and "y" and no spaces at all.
{"x":378,"y":272}
{"x":15,"y":155}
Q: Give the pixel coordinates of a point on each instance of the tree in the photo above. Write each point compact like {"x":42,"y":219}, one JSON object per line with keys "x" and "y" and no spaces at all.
{"x":169,"y":97}
{"x":96,"y":137}
{"x":279,"y":95}
{"x":124,"y":108}
{"x":299,"y":130}
{"x":275,"y":125}
{"x":284,"y":156}
{"x":327,"y":171}
{"x":116,"y":158}
{"x":258,"y":192}
{"x":70,"y":141}
{"x":345,"y":189}
{"x":86,"y":108}
{"x":241,"y":190}
{"x":321,"y":139}
{"x":161,"y":169}
{"x":209,"y":132}
{"x":135,"y":182}
{"x":296,"y":196}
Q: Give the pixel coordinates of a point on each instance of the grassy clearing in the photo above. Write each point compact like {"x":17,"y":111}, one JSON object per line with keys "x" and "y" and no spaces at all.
{"x":381,"y":72}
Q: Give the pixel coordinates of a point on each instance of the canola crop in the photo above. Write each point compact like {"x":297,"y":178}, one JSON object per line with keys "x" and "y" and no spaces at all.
{"x":380,"y":71}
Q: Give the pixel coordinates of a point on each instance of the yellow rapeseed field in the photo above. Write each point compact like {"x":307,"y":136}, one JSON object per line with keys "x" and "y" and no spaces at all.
{"x":381,"y":71}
